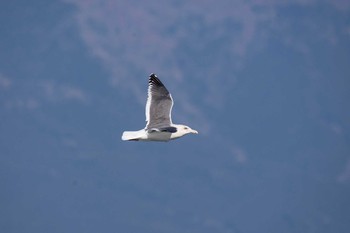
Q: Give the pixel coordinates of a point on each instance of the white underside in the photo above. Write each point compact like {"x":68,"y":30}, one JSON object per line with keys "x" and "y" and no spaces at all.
{"x":143,"y":135}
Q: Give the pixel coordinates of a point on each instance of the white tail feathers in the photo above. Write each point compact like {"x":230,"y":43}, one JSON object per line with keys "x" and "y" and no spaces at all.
{"x":132,"y":135}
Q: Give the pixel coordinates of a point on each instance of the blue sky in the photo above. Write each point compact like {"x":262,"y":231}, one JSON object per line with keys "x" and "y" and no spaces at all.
{"x":266,"y":84}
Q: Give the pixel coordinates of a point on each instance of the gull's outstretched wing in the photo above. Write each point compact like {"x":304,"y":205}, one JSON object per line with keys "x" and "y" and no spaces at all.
{"x":159,"y":104}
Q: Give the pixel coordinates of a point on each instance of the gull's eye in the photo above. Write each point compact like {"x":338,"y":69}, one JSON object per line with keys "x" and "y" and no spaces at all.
{"x":185,"y":127}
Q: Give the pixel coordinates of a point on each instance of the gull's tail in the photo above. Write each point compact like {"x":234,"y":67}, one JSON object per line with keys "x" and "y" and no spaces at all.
{"x":132,"y":135}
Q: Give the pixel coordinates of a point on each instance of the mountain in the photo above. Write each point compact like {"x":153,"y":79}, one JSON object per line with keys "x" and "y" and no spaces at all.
{"x":265,"y":84}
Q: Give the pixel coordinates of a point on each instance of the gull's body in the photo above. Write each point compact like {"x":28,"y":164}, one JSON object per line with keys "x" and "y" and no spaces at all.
{"x":159,"y":125}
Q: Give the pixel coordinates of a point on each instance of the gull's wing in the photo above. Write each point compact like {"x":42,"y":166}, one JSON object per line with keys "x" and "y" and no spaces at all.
{"x":159,"y":104}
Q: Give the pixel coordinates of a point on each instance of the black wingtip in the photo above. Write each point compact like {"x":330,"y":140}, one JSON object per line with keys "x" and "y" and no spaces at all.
{"x":153,"y":75}
{"x":153,"y":79}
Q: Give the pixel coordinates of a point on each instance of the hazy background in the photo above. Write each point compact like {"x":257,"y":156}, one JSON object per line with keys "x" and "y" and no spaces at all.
{"x":266,"y":83}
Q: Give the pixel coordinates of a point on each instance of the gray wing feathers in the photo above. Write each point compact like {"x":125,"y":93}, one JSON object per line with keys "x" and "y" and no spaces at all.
{"x":159,"y":104}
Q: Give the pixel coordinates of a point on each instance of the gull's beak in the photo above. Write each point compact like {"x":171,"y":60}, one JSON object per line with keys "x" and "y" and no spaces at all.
{"x":194,"y":131}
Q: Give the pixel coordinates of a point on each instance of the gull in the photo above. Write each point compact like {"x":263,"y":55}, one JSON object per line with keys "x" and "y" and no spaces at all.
{"x":159,"y":125}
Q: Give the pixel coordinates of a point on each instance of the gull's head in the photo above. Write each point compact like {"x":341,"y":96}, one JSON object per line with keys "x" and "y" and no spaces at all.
{"x":182,"y":130}
{"x":186,"y":130}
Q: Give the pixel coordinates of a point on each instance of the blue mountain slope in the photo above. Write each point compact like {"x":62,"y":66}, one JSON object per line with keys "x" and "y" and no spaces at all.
{"x":267,"y":93}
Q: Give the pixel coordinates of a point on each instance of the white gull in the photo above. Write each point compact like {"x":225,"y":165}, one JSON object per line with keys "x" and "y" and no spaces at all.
{"x":159,"y":126}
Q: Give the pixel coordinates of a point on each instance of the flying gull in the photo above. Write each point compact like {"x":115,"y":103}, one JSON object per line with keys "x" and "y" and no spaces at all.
{"x":159,"y":126}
